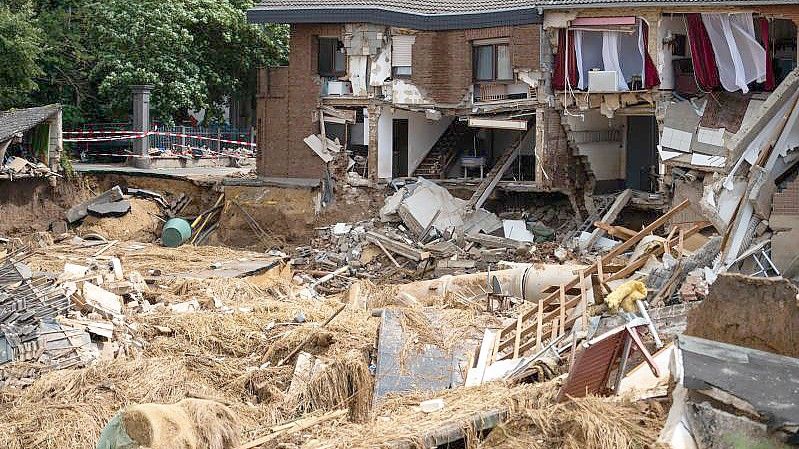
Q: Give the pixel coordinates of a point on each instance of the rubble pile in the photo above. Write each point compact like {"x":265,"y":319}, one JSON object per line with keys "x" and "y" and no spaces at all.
{"x":423,"y":232}
{"x":17,"y":167}
{"x":430,"y":323}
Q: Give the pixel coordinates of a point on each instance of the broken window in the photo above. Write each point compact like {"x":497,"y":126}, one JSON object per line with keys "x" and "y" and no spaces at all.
{"x":492,"y":62}
{"x":332,"y":60}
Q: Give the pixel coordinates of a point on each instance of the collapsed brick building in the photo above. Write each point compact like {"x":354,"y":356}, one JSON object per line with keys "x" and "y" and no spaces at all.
{"x":496,"y":97}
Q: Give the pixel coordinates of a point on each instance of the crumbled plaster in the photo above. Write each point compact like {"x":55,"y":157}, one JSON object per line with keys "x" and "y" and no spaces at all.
{"x":406,"y":93}
{"x":558,"y":19}
{"x":357,"y":74}
{"x":381,"y":66}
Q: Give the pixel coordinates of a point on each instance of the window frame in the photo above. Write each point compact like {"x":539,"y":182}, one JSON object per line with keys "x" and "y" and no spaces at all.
{"x":494,"y":62}
{"x":338,"y":44}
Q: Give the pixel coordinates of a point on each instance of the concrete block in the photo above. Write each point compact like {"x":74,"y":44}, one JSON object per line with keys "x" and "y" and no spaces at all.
{"x":80,"y":211}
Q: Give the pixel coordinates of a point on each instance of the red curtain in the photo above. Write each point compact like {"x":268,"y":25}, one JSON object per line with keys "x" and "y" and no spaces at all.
{"x":764,"y":38}
{"x":702,"y":56}
{"x":651,"y":77}
{"x":559,"y":77}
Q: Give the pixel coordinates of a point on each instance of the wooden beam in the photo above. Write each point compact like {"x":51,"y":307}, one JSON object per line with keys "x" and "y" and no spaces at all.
{"x":610,"y":216}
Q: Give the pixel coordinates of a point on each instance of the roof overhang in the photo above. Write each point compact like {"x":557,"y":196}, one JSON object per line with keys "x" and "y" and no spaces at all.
{"x":588,"y":4}
{"x":397,"y":18}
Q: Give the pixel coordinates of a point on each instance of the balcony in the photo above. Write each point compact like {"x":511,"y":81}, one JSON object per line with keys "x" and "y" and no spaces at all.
{"x":492,"y":92}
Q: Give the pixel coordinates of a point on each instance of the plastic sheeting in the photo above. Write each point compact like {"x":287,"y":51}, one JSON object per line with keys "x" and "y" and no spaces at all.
{"x":739,"y":56}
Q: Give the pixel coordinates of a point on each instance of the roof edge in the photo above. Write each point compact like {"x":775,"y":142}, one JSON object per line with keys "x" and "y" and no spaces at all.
{"x":666,"y":3}
{"x":391,"y":17}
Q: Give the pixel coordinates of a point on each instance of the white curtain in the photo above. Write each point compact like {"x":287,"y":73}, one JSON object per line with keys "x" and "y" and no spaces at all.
{"x":739,"y":57}
{"x":642,"y":50}
{"x":615,"y":51}
{"x":582,"y":81}
{"x":610,"y":56}
{"x":631,"y":55}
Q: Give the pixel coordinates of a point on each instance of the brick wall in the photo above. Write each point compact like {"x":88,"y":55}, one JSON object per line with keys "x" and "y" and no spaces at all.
{"x":442,"y":60}
{"x":287,"y":108}
{"x":786,"y":202}
{"x":556,"y":151}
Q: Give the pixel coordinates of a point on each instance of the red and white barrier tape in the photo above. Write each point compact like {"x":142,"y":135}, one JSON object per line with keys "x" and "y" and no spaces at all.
{"x":150,"y":133}
{"x":105,"y":138}
{"x":100,"y":131}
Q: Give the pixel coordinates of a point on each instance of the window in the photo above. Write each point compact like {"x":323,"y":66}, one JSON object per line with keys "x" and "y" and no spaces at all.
{"x":402,"y":55}
{"x":332,"y":61}
{"x":402,"y":71}
{"x":492,"y":62}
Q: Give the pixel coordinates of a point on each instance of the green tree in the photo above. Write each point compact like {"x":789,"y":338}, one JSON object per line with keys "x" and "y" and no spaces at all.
{"x":195,"y":52}
{"x":20,"y":48}
{"x":66,"y":61}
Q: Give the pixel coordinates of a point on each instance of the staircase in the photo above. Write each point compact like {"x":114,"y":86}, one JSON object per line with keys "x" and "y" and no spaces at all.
{"x":444,"y":153}
{"x":495,"y":175}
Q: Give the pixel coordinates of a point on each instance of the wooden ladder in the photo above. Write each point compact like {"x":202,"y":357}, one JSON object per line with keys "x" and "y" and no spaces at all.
{"x":555,"y":313}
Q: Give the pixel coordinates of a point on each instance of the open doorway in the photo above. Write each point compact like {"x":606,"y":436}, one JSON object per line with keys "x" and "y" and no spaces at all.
{"x":641,"y":154}
{"x":400,"y":148}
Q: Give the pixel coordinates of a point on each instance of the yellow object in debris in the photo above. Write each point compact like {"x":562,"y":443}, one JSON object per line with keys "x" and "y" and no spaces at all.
{"x":625,"y":296}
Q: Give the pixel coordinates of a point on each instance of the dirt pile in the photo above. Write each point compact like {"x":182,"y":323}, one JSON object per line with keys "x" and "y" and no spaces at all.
{"x":753,"y":312}
{"x":141,"y":224}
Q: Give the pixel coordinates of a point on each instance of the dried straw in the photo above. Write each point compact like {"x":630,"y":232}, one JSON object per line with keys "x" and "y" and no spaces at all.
{"x":583,"y":423}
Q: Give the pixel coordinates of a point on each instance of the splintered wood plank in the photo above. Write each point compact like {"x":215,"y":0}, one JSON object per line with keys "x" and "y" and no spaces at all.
{"x":518,"y":339}
{"x":562,"y":309}
{"x":555,"y":327}
{"x":584,"y":299}
{"x":540,"y":328}
{"x":610,"y":216}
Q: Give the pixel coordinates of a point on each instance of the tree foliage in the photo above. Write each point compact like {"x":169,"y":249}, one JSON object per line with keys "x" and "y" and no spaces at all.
{"x":20,"y":49}
{"x":196,"y":54}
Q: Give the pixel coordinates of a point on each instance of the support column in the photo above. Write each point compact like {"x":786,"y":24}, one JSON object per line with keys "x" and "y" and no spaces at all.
{"x":55,"y":144}
{"x":374,"y":111}
{"x":141,"y":120}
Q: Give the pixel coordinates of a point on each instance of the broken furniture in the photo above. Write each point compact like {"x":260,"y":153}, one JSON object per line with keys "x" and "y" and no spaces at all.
{"x":596,"y":359}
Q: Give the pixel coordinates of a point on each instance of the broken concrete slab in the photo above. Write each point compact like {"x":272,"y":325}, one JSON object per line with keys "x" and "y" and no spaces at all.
{"x":102,"y":300}
{"x":747,"y":380}
{"x":491,"y":241}
{"x":113,"y":209}
{"x":517,"y":230}
{"x":431,"y":205}
{"x":79,"y":212}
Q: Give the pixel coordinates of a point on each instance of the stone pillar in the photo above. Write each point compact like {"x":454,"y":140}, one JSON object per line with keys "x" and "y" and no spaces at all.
{"x":55,"y":144}
{"x":141,"y":118}
{"x":374,"y":111}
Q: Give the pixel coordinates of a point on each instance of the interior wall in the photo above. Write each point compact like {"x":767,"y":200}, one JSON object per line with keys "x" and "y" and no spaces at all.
{"x":385,"y":139}
{"x":675,"y":25}
{"x":422,"y":135}
{"x":605,"y":156}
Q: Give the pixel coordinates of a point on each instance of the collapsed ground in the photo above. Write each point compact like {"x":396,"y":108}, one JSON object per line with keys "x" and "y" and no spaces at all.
{"x":263,"y":331}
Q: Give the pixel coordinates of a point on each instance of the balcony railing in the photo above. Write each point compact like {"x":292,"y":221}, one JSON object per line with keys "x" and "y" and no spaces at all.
{"x":491,"y":92}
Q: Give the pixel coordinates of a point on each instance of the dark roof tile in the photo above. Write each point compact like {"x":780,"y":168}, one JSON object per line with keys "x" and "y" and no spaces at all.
{"x":18,"y":121}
